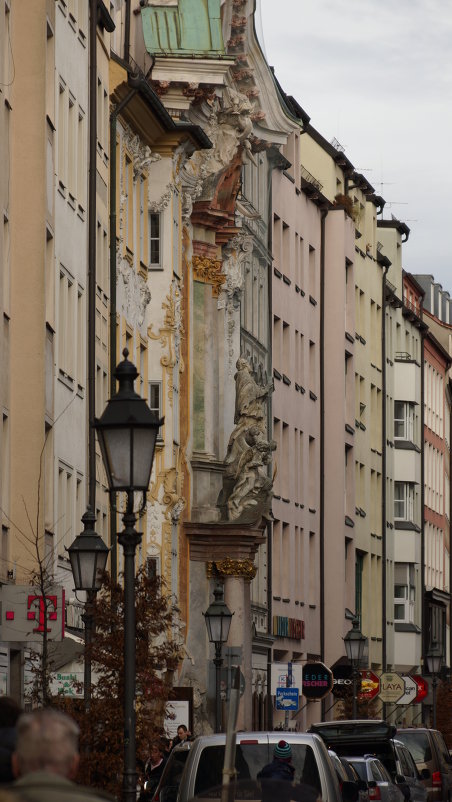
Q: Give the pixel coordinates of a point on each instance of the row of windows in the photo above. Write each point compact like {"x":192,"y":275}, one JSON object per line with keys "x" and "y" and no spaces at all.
{"x":72,"y":165}
{"x":148,"y":239}
{"x":294,"y":561}
{"x":297,"y":458}
{"x":433,"y":399}
{"x":289,"y":354}
{"x":289,"y":248}
{"x":434,"y":478}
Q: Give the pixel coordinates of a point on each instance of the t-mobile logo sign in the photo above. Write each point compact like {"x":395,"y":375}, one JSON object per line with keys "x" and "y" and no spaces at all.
{"x":27,"y":614}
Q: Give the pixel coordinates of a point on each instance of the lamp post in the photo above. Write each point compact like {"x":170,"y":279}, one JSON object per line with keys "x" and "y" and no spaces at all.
{"x":88,"y":555}
{"x":127,"y":432}
{"x":218,"y":622}
{"x":434,"y":659}
{"x":354,"y":647}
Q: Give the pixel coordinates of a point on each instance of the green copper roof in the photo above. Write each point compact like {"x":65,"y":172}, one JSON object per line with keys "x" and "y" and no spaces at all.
{"x":186,"y":27}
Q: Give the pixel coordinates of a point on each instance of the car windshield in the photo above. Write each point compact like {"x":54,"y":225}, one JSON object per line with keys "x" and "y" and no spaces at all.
{"x":418,"y":744}
{"x":250,"y":759}
{"x":360,"y":768}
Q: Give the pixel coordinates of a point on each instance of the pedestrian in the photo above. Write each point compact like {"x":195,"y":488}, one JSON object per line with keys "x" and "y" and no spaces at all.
{"x":153,"y":769}
{"x":182,"y":735}
{"x":46,"y":759}
{"x":9,"y":713}
{"x":281,"y":767}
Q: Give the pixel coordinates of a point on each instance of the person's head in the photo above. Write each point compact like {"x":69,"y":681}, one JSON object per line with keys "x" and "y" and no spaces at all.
{"x":156,"y":752}
{"x":9,"y":712}
{"x":47,"y":740}
{"x":283,"y":751}
{"x":182,"y":732}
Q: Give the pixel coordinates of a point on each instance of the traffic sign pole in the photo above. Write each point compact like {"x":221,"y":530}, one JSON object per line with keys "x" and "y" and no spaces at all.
{"x":288,"y":685}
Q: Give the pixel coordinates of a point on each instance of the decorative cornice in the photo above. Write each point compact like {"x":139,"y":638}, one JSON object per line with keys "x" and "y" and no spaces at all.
{"x":208,"y":271}
{"x":229,"y":567}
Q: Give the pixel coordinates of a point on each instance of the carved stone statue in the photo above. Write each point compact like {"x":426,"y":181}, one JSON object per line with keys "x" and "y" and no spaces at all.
{"x":246,"y":493}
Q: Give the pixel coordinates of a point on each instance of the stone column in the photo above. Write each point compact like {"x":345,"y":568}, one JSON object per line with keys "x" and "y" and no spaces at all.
{"x":237,"y":595}
{"x":229,"y":550}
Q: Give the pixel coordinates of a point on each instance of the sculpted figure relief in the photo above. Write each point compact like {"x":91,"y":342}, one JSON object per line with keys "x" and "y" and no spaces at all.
{"x":246,"y":494}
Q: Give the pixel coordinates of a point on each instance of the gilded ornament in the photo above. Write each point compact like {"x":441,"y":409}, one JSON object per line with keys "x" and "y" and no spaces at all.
{"x":229,"y":567}
{"x":208,"y":271}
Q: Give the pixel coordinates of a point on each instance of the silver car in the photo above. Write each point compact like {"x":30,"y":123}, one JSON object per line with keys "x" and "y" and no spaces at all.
{"x":381,"y":787}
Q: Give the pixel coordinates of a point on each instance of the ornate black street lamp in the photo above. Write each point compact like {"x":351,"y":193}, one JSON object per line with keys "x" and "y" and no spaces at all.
{"x":88,"y":555}
{"x":355,"y":642}
{"x":127,"y":432}
{"x":434,"y":659}
{"x":218,"y":622}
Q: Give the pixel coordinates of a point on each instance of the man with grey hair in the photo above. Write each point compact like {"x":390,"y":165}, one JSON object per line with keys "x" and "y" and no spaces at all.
{"x":47,"y":757}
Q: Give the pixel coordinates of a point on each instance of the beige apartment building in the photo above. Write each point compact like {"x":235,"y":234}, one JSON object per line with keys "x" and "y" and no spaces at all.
{"x":402,"y":578}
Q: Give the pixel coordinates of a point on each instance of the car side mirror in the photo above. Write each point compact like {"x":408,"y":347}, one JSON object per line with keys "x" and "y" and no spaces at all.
{"x":350,"y":792}
{"x":425,"y":774}
{"x":399,"y":778}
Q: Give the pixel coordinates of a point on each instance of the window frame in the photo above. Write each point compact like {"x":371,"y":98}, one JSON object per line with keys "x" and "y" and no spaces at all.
{"x":155,"y":265}
{"x":407,"y":499}
{"x":406,"y":421}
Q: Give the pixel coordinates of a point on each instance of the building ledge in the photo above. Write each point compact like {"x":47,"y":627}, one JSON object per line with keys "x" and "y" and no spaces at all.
{"x":406,"y":445}
{"x":407,"y":628}
{"x":407,"y":525}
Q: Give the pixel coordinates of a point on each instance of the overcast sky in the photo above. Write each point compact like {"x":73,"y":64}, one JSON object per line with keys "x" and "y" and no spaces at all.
{"x":377,"y":76}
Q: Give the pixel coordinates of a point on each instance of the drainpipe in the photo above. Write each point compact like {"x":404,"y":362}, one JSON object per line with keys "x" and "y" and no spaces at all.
{"x":450,"y":519}
{"x":422,"y":490}
{"x":127,"y":33}
{"x":92,"y":226}
{"x":113,"y":352}
{"x":383,"y":471}
{"x":324,"y":212}
{"x":270,"y":429}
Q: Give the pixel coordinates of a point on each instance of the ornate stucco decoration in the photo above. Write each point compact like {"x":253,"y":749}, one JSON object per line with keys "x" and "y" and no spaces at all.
{"x":247,"y":486}
{"x":134,"y":294}
{"x":142,"y":156}
{"x":170,"y":335}
{"x":208,"y":271}
{"x":229,"y":567}
{"x":211,"y":178}
{"x":234,"y":255}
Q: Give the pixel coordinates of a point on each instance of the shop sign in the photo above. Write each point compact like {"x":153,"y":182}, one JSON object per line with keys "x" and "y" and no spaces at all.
{"x":284,"y":627}
{"x":422,"y":688}
{"x":370,"y":686}
{"x":392,"y":687}
{"x":317,"y":680}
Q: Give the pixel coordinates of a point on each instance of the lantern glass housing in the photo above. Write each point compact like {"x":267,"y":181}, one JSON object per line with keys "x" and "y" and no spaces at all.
{"x":434,"y":658}
{"x":127,"y":432}
{"x":354,"y":643}
{"x":88,"y":555}
{"x":218,"y":618}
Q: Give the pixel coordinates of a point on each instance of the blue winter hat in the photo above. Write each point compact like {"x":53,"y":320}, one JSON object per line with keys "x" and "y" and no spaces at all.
{"x":282,"y":750}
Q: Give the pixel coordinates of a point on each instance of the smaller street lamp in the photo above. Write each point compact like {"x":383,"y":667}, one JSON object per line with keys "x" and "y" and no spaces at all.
{"x":218,"y":622}
{"x":88,"y":555}
{"x":434,"y":659}
{"x":354,"y":647}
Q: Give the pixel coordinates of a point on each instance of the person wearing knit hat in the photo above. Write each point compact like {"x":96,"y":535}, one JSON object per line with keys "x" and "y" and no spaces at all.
{"x":283,"y":751}
{"x":277,"y":777}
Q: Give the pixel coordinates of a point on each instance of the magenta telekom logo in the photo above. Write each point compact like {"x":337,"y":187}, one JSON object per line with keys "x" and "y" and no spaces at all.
{"x":45,"y":608}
